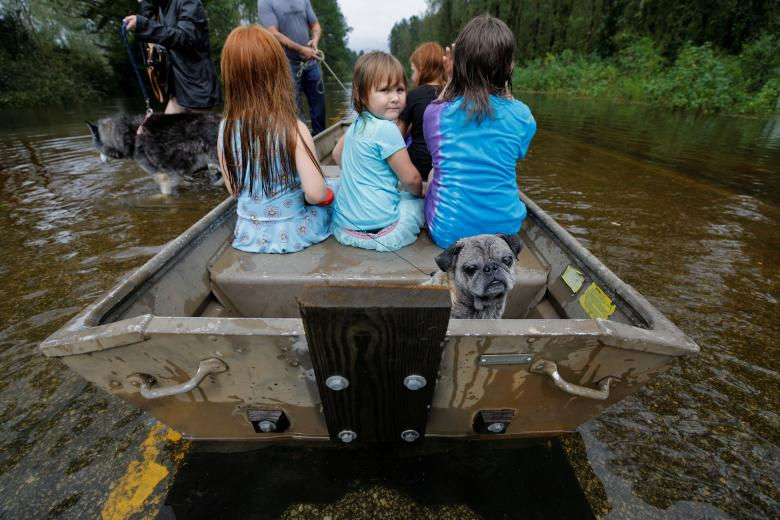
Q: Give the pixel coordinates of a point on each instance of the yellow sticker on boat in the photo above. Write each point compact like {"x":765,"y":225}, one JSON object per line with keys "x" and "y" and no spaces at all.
{"x":573,"y":278}
{"x":596,"y":302}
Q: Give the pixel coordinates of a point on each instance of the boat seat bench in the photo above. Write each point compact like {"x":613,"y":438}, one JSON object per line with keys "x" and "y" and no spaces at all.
{"x":267,"y":286}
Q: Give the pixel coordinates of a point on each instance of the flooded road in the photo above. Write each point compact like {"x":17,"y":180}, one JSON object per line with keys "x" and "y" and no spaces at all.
{"x":684,"y":207}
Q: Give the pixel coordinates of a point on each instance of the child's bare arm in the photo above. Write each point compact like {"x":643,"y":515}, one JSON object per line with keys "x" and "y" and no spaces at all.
{"x":338,"y":149}
{"x":402,"y":165}
{"x":223,"y":170}
{"x":314,"y":188}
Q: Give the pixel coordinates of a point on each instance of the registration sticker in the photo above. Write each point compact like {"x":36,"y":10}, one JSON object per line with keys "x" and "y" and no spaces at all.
{"x":573,"y":278}
{"x":596,"y":302}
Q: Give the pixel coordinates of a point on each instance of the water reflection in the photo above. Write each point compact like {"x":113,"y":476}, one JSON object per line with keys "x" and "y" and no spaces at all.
{"x":737,"y":153}
{"x":684,"y":207}
{"x":439,"y":479}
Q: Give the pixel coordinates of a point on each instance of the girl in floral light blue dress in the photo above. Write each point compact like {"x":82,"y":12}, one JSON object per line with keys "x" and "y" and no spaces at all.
{"x":279,"y":223}
{"x":265,"y":153}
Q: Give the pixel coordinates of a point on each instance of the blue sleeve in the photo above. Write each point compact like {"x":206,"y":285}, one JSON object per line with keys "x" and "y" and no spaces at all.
{"x":528,"y":131}
{"x":265,"y":11}
{"x":388,"y":139}
{"x":311,"y":18}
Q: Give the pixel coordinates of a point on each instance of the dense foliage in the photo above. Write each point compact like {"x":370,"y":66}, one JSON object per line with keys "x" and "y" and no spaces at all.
{"x":715,"y":55}
{"x":61,"y":51}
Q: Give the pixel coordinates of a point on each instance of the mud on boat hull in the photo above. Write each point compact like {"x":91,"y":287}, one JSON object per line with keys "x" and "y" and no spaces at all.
{"x":546,"y":368}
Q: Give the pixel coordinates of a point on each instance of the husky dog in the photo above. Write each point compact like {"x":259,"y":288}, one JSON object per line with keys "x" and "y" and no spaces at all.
{"x":168,"y":146}
{"x":479,"y":272}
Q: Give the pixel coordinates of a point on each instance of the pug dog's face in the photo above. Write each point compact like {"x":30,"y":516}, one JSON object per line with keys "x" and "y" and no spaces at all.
{"x":481,"y":272}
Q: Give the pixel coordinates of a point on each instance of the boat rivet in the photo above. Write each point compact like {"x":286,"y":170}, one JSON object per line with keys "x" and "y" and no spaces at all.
{"x":414,"y":382}
{"x":347,"y":436}
{"x":266,"y":426}
{"x":337,"y":383}
{"x":410,"y":435}
{"x":496,"y":427}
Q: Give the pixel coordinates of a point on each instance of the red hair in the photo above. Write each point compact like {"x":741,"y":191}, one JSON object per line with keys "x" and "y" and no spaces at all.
{"x":260,"y":113}
{"x":427,"y":59}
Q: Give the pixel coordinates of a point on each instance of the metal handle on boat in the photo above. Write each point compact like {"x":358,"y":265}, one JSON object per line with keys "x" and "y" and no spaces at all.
{"x":544,"y":366}
{"x":205,"y":367}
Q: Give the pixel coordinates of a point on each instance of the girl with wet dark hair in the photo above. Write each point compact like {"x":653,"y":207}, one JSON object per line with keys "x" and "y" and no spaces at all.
{"x":476,"y":132}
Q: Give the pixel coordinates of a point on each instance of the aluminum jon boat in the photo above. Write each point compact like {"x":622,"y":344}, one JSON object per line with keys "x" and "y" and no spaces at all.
{"x":342,"y":344}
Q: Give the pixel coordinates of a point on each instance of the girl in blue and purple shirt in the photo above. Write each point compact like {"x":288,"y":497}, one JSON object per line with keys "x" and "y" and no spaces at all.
{"x":476,"y":132}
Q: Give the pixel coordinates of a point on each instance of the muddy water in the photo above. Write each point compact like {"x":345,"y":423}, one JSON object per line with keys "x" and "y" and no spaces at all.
{"x":684,"y":207}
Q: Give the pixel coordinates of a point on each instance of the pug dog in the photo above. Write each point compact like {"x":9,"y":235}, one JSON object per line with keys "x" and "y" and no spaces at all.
{"x":479,"y":272}
{"x":169,"y":147}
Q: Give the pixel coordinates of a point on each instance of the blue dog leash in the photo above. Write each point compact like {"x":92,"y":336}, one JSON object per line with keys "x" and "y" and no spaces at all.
{"x":145,"y":93}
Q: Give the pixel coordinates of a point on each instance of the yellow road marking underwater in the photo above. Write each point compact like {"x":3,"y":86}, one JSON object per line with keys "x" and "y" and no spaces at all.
{"x":132,"y":493}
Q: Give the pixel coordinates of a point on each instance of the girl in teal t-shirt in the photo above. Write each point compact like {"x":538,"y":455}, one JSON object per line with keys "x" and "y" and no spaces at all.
{"x":370,"y":211}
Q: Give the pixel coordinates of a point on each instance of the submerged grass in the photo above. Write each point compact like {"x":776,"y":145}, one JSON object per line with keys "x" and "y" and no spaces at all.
{"x":697,"y":78}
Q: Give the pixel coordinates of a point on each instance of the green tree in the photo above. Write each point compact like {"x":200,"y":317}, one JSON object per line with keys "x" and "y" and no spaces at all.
{"x":61,"y":51}
{"x":706,"y":54}
{"x":335,"y":34}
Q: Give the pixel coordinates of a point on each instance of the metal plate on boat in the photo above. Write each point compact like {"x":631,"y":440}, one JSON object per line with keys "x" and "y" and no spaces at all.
{"x":505,"y":359}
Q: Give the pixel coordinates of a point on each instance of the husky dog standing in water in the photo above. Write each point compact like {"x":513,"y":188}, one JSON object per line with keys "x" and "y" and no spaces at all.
{"x":168,"y":146}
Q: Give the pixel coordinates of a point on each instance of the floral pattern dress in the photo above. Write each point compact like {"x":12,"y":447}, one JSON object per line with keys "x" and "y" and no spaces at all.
{"x":280,"y":222}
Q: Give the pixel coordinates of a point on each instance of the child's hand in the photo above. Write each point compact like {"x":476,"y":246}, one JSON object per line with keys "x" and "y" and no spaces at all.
{"x":447,"y":61}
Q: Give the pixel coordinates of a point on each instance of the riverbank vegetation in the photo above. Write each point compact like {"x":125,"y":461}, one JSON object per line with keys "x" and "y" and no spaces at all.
{"x":722,"y":55}
{"x":56,"y":52}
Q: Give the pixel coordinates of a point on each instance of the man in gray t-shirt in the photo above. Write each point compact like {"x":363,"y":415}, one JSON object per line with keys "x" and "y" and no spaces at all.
{"x":295,"y":25}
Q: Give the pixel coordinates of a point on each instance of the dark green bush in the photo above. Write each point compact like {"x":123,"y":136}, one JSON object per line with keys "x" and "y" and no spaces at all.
{"x":699,"y":78}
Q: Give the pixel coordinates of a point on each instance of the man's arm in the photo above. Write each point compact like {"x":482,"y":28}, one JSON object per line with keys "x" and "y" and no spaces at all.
{"x":316,"y":32}
{"x":184,"y":35}
{"x":307,"y":52}
{"x":268,"y":19}
{"x":148,"y":9}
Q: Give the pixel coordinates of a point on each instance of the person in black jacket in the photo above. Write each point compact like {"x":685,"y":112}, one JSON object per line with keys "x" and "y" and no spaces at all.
{"x":183,"y":30}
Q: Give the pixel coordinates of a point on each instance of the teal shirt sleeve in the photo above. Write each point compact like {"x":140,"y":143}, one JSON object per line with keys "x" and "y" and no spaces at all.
{"x":388,"y":139}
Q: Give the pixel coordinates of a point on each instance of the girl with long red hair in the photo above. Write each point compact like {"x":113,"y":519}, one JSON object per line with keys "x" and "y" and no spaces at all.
{"x":265,"y":153}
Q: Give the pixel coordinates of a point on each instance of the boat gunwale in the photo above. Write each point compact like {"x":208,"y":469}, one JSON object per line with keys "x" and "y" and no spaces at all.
{"x":82,"y":333}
